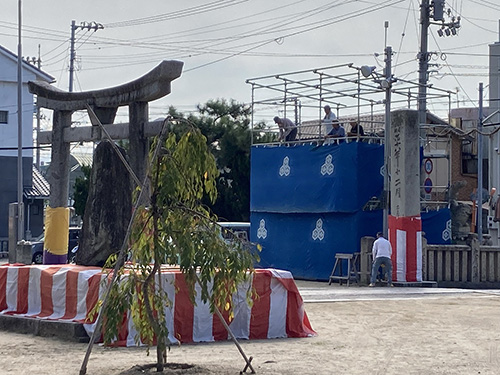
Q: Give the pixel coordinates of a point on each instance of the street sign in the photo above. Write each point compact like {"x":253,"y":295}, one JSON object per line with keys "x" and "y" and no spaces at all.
{"x":428,"y":185}
{"x":428,"y":166}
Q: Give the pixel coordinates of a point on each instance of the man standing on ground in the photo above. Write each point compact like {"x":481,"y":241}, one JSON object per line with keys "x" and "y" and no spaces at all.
{"x":381,"y":252}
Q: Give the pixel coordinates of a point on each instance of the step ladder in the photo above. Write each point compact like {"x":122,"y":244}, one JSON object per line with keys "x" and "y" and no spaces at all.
{"x":337,"y":271}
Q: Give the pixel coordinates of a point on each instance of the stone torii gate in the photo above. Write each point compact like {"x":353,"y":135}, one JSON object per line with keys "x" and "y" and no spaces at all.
{"x":104,"y":103}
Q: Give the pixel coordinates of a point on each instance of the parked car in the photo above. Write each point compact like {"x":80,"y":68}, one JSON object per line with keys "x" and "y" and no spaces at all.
{"x":239,"y":229}
{"x":37,"y":247}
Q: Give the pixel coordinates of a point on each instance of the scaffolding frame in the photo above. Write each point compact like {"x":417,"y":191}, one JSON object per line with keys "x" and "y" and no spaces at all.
{"x":351,"y":96}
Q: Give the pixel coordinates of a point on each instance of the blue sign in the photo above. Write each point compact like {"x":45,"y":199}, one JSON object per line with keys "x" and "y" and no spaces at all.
{"x":428,"y":185}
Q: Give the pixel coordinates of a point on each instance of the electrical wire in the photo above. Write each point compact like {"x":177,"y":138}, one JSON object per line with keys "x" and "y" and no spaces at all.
{"x":487,"y":4}
{"x":303,"y":29}
{"x":402,"y":36}
{"x":46,"y":59}
{"x":31,"y":29}
{"x":186,"y":12}
{"x":287,"y":19}
{"x":205,"y":29}
{"x":473,"y":23}
{"x":453,"y":74}
{"x":204,"y":41}
{"x":231,"y":46}
{"x":339,"y":19}
{"x":246,"y":47}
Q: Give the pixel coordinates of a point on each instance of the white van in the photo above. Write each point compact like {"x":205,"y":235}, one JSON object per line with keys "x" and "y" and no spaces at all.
{"x":240,"y":229}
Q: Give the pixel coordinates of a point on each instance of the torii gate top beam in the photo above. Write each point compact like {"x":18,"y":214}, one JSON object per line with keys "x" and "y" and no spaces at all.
{"x":151,"y":86}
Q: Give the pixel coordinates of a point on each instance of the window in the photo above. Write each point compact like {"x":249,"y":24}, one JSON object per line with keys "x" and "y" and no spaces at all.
{"x":469,"y":157}
{"x":4,"y":117}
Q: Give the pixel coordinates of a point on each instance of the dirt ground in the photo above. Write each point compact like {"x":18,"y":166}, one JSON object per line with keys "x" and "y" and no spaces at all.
{"x":445,"y":335}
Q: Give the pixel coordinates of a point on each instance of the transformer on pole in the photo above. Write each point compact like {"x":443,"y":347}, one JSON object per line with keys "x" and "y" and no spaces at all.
{"x":72,"y":53}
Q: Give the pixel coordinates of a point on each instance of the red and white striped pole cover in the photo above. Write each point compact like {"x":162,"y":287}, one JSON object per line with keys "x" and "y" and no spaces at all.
{"x":405,"y":235}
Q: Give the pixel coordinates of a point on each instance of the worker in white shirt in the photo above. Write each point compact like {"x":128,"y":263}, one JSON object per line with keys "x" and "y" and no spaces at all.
{"x":381,"y":252}
{"x":329,"y":119}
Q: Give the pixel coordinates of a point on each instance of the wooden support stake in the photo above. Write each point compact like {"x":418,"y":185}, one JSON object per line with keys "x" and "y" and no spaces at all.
{"x":248,"y":361}
{"x":233,"y":338}
{"x":246,"y":366}
{"x":123,"y":250}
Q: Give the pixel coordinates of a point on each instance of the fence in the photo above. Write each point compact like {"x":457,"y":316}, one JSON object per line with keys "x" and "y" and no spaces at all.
{"x":448,"y":265}
{"x":462,"y":264}
{"x":4,"y":247}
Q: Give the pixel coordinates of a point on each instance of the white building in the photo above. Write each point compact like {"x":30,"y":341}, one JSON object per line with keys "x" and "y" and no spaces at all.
{"x":34,"y":186}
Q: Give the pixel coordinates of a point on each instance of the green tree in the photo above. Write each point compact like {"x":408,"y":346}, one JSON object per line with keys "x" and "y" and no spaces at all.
{"x":176,"y":228}
{"x":225,"y":124}
{"x":81,"y":191}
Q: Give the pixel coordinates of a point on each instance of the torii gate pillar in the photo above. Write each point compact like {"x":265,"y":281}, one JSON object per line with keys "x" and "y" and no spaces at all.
{"x":139,"y":143}
{"x":136,"y":95}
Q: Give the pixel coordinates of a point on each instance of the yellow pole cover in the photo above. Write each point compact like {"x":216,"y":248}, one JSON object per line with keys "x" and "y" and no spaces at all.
{"x":56,"y":230}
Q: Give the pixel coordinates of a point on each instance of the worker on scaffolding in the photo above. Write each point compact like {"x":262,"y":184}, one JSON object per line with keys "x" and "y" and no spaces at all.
{"x":337,"y":131}
{"x":329,"y":119}
{"x":288,"y":130}
{"x":356,"y":130}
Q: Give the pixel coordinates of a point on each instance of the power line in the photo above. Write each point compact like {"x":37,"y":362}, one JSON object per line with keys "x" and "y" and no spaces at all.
{"x":453,"y":74}
{"x":186,"y":12}
{"x":403,"y":34}
{"x":472,"y":23}
{"x":253,"y":45}
{"x":487,"y":4}
{"x":213,"y":28}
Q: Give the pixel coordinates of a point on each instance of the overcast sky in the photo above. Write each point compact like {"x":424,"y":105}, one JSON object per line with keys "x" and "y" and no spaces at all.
{"x":223,"y":43}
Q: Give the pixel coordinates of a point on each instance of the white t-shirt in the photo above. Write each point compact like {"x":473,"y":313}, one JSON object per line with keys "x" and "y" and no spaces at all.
{"x":327,"y":122}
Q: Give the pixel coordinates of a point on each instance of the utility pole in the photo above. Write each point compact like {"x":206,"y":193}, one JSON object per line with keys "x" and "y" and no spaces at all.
{"x":446,"y":29}
{"x":20,"y":185}
{"x":423,"y":62}
{"x":387,"y":85}
{"x":38,"y":62}
{"x":72,"y":53}
{"x":494,"y":145}
{"x":480,"y":167}
{"x":449,"y":28}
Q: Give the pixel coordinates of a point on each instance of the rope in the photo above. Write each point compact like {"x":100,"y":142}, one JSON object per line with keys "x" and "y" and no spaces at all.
{"x":94,"y":117}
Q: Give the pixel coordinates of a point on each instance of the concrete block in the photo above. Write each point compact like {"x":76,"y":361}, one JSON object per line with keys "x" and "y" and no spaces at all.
{"x":23,"y":252}
{"x":70,"y":331}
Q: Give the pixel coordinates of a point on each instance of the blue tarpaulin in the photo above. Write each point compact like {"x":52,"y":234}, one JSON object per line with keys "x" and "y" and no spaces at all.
{"x":309,"y":178}
{"x":307,"y":203}
{"x":306,"y":244}
{"x":437,"y":226}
